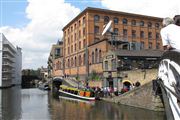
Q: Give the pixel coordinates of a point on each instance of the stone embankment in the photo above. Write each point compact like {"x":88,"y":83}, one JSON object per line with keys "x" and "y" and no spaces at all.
{"x":141,"y":97}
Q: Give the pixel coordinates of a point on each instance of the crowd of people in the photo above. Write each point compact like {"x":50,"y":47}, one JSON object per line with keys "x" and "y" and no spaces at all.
{"x":110,"y":91}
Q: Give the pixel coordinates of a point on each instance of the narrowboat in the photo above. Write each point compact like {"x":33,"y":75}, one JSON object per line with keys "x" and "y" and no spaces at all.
{"x":76,"y":93}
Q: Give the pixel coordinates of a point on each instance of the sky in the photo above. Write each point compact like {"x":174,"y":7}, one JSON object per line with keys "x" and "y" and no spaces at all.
{"x":34,"y":25}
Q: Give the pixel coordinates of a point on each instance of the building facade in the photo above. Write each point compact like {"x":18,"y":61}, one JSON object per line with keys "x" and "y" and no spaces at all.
{"x":55,"y":60}
{"x":84,"y":46}
{"x":10,"y":63}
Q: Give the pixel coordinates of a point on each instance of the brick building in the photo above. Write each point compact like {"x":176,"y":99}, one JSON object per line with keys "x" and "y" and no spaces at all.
{"x":84,"y":46}
{"x":55,"y":60}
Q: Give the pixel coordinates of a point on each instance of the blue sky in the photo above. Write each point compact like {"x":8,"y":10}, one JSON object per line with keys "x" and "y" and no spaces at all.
{"x":14,"y":11}
{"x":34,"y":25}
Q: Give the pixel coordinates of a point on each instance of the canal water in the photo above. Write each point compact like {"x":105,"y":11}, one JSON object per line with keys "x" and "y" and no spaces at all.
{"x":35,"y":104}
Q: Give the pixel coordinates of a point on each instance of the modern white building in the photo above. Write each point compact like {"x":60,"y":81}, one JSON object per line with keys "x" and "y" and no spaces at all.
{"x":10,"y":63}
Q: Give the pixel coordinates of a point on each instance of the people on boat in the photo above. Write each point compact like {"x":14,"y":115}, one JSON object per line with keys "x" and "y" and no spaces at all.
{"x":170,"y":33}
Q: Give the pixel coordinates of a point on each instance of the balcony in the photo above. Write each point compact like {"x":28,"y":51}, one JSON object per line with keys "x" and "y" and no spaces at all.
{"x":8,"y":51}
{"x":7,"y":64}
{"x":8,"y":58}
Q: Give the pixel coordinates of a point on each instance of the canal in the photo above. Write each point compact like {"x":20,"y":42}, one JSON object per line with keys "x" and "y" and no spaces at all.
{"x":35,"y":104}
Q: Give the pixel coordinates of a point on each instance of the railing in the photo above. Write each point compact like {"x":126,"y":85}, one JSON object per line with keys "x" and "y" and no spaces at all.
{"x":169,"y":81}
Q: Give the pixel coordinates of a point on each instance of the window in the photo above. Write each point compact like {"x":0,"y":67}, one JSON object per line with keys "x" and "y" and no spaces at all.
{"x":84,"y":31}
{"x":75,"y":26}
{"x":113,"y":63}
{"x":141,"y":23}
{"x":75,"y":47}
{"x":116,"y":31}
{"x":158,"y":46}
{"x":80,"y":61}
{"x":79,"y":22}
{"x":125,"y":21}
{"x":75,"y":62}
{"x":133,"y":34}
{"x":79,"y":33}
{"x":133,"y":22}
{"x":150,"y":45}
{"x":96,"y":55}
{"x":96,"y":18}
{"x":68,"y":40}
{"x":96,"y":29}
{"x":125,"y":33}
{"x":68,"y":50}
{"x":149,"y":24}
{"x":84,"y":20}
{"x":71,"y":61}
{"x":84,"y":58}
{"x":106,"y":19}
{"x":84,"y":43}
{"x":74,"y":36}
{"x":116,"y":20}
{"x":133,"y":45}
{"x":68,"y":63}
{"x":142,"y":45}
{"x":71,"y":48}
{"x":71,"y":28}
{"x":157,"y":25}
{"x":106,"y":65}
{"x":71,"y":38}
{"x":100,"y":56}
{"x":157,"y":36}
{"x":142,"y":34}
{"x":92,"y":57}
{"x":79,"y":45}
{"x":149,"y":35}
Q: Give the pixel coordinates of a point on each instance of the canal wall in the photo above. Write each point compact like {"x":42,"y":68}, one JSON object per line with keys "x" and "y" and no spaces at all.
{"x":142,"y":75}
{"x":141,"y":97}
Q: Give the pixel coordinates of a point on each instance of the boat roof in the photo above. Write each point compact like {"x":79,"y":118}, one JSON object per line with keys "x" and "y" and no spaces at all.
{"x":66,"y":87}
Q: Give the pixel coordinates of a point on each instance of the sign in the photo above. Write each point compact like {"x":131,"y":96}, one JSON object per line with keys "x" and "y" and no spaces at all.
{"x":109,"y":57}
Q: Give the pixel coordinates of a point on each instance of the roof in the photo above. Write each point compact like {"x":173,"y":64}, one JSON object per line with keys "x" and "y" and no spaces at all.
{"x":110,"y":12}
{"x":139,"y":53}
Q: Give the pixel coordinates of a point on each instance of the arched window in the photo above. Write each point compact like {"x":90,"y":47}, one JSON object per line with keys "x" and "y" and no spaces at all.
{"x":84,"y":59}
{"x":75,"y":62}
{"x":72,"y":61}
{"x":116,"y":20}
{"x":149,"y":24}
{"x":100,"y":56}
{"x":96,"y":18}
{"x":92,"y":57}
{"x":157,"y":25}
{"x":106,"y":19}
{"x":125,"y":21}
{"x":96,"y":55}
{"x":133,"y":22}
{"x":141,"y":23}
{"x":68,"y":63}
{"x":80,"y":60}
{"x":113,"y":64}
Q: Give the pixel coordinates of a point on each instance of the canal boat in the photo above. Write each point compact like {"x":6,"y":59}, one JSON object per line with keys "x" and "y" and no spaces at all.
{"x":44,"y":86}
{"x":76,"y":93}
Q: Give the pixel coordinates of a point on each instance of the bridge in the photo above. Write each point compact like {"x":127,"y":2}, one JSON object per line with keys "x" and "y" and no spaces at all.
{"x":169,"y":83}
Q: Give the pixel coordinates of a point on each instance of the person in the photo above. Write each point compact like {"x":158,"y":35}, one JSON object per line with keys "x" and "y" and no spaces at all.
{"x":170,"y":34}
{"x":177,"y":20}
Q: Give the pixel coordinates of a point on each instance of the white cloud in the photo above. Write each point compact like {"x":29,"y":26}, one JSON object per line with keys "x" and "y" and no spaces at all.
{"x":47,"y":18}
{"x":157,"y":8}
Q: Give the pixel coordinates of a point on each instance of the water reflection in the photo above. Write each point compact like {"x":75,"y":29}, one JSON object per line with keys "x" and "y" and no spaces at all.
{"x":73,"y":110}
{"x":10,"y":103}
{"x":35,"y":104}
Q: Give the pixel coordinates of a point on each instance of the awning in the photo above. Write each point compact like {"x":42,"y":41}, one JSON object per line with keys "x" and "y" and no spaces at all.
{"x":127,"y":81}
